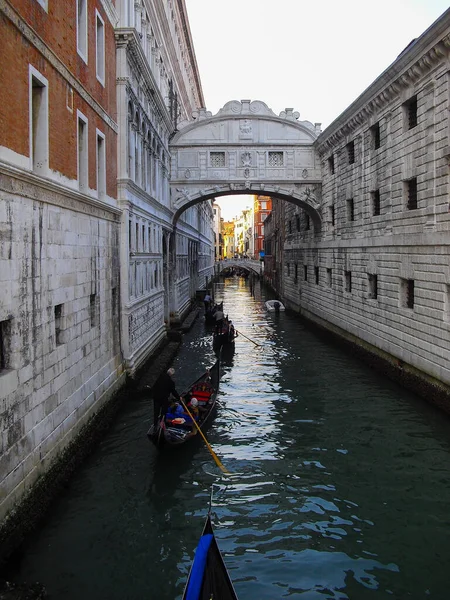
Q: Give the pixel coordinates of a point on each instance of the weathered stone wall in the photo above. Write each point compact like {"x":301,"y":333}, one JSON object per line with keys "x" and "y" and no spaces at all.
{"x":382,"y":256}
{"x":59,"y":308}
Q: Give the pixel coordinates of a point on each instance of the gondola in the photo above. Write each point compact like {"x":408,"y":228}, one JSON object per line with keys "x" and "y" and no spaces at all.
{"x":274,"y":306}
{"x":208,"y":577}
{"x":225,"y":335}
{"x":210,"y":318}
{"x":174,"y":429}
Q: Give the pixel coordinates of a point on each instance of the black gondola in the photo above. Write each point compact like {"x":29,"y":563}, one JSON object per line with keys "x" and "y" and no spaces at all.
{"x":224,"y":335}
{"x":174,"y":429}
{"x":208,"y":577}
{"x":210,"y":317}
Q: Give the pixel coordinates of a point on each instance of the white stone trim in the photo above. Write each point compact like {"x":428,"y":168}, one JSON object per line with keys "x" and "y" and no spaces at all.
{"x":44,"y":4}
{"x":110,"y":11}
{"x":44,"y":145}
{"x":100,"y":73}
{"x":101,"y":190}
{"x":83,"y":185}
{"x":80,"y":51}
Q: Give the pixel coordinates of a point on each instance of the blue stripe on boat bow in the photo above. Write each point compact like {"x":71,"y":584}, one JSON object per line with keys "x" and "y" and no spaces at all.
{"x":198,"y":567}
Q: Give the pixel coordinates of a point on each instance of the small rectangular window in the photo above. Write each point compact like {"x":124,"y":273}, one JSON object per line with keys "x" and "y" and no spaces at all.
{"x":82,"y":29}
{"x":307,"y":222}
{"x":217,"y":159}
{"x":93,"y":310}
{"x":329,"y":277}
{"x":350,"y":210}
{"x":58,"y":324}
{"x":351,"y":152}
{"x":288,"y":266}
{"x":407,"y":290}
{"x":297,"y":222}
{"x":101,"y":165}
{"x":411,"y":192}
{"x":348,"y":281}
{"x":83,"y":154}
{"x":332,"y":215}
{"x":136,"y":237}
{"x":316,"y":273}
{"x":376,"y":204}
{"x":295,"y":272}
{"x":39,"y":116}
{"x":275,"y":159}
{"x":375,"y":134}
{"x":410,"y":113}
{"x":373,"y":286}
{"x":5,"y":345}
{"x":305,"y":272}
{"x":331,"y":164}
{"x":290,"y":226}
{"x":100,"y":48}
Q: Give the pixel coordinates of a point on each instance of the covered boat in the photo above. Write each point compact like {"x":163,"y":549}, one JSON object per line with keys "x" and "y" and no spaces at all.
{"x":208,"y":577}
{"x":274,"y":306}
{"x":177,"y":426}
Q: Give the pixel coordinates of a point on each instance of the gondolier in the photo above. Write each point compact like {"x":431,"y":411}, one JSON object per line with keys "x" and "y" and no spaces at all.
{"x":163,"y":388}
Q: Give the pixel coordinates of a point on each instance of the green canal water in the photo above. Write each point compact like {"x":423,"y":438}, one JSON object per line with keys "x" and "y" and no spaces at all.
{"x":338,"y":486}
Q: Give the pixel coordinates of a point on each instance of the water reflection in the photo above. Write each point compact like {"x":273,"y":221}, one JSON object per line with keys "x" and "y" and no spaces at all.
{"x":338,"y":484}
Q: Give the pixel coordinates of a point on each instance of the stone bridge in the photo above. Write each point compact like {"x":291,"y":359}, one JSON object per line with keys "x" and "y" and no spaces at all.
{"x":253,"y":266}
{"x":246,"y":149}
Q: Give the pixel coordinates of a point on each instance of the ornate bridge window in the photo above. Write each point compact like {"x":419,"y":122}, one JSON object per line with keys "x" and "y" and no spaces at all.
{"x":275,"y":159}
{"x":217,"y":159}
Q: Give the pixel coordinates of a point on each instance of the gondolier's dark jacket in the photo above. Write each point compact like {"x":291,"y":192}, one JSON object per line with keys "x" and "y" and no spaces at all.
{"x":163,"y":387}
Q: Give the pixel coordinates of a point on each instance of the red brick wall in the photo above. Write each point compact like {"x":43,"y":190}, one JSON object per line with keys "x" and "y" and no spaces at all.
{"x":58,"y":30}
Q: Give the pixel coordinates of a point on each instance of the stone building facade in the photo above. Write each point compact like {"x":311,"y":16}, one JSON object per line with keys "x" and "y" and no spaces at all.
{"x":60,"y":353}
{"x":158,"y":85}
{"x":377,"y":270}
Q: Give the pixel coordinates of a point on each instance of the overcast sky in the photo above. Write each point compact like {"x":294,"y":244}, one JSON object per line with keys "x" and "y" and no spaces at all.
{"x":315,"y":56}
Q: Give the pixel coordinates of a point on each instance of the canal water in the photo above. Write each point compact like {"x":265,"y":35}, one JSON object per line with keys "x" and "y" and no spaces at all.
{"x":338,"y":485}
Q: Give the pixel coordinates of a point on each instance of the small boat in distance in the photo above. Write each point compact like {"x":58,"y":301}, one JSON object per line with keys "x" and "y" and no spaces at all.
{"x":175,"y":429}
{"x":274,"y":306}
{"x":208,"y":577}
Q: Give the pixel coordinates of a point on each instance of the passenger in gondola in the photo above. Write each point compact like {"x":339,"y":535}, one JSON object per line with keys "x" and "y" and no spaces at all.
{"x":232,"y":331}
{"x":162,"y":390}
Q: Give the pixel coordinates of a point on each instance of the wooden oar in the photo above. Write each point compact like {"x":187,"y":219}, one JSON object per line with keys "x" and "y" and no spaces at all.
{"x":249,"y":339}
{"x":213,"y":454}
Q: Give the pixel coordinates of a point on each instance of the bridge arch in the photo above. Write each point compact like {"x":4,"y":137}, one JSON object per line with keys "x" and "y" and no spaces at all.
{"x":246,"y":149}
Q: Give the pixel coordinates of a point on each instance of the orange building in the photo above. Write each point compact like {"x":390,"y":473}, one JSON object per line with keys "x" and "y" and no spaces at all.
{"x":262,"y":208}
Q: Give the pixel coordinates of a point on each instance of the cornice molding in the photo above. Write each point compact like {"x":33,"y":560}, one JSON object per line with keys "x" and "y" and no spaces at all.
{"x":40,"y":189}
{"x":409,"y":68}
{"x":110,"y":11}
{"x":33,"y":38}
{"x":127,"y":38}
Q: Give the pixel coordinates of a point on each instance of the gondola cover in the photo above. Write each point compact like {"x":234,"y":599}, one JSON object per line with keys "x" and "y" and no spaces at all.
{"x":208,"y":578}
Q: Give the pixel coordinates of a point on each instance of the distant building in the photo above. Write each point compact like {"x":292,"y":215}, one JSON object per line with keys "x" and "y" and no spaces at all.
{"x":261,"y":208}
{"x":229,"y":247}
{"x":243,"y":233}
{"x":218,"y":232}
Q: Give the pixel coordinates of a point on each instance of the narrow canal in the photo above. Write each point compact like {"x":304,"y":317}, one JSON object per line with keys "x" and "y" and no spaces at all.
{"x":339,"y":484}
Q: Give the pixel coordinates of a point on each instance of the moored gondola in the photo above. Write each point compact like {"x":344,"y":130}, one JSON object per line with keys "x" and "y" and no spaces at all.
{"x":210,"y":314}
{"x":176,"y":426}
{"x":208,"y":577}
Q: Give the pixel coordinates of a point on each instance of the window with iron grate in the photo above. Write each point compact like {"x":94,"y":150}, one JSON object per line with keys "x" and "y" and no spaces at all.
{"x":410,"y":113}
{"x":276,"y":159}
{"x":348,"y":281}
{"x":376,"y":205}
{"x":376,"y":137}
{"x":305,"y":272}
{"x":331,"y":165}
{"x":297,"y":222}
{"x":373,"y":285}
{"x":350,"y":210}
{"x":411,"y":190}
{"x":408,"y":293}
{"x":332,"y":215}
{"x":316,"y":273}
{"x":351,"y":152}
{"x":329,"y":277}
{"x":5,"y":344}
{"x":217,"y":159}
{"x":307,"y":222}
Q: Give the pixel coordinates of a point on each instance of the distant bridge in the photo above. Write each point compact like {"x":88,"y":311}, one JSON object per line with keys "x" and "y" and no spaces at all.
{"x":253,"y":266}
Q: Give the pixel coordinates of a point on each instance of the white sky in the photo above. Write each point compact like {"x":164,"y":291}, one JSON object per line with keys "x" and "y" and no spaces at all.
{"x":315,"y":56}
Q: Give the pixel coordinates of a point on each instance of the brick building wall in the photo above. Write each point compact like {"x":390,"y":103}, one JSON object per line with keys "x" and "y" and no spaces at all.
{"x":60,"y":355}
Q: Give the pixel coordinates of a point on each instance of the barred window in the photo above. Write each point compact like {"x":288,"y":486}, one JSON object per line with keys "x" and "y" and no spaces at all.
{"x":376,"y":137}
{"x":331,"y":164}
{"x":217,"y":159}
{"x":408,"y":293}
{"x":350,"y":209}
{"x":411,"y":189}
{"x":275,"y":159}
{"x":307,"y":223}
{"x":316,"y":273}
{"x":351,"y":152}
{"x":348,"y":281}
{"x":376,"y":205}
{"x":329,"y":277}
{"x":410,"y":113}
{"x":373,"y":286}
{"x":305,"y":272}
